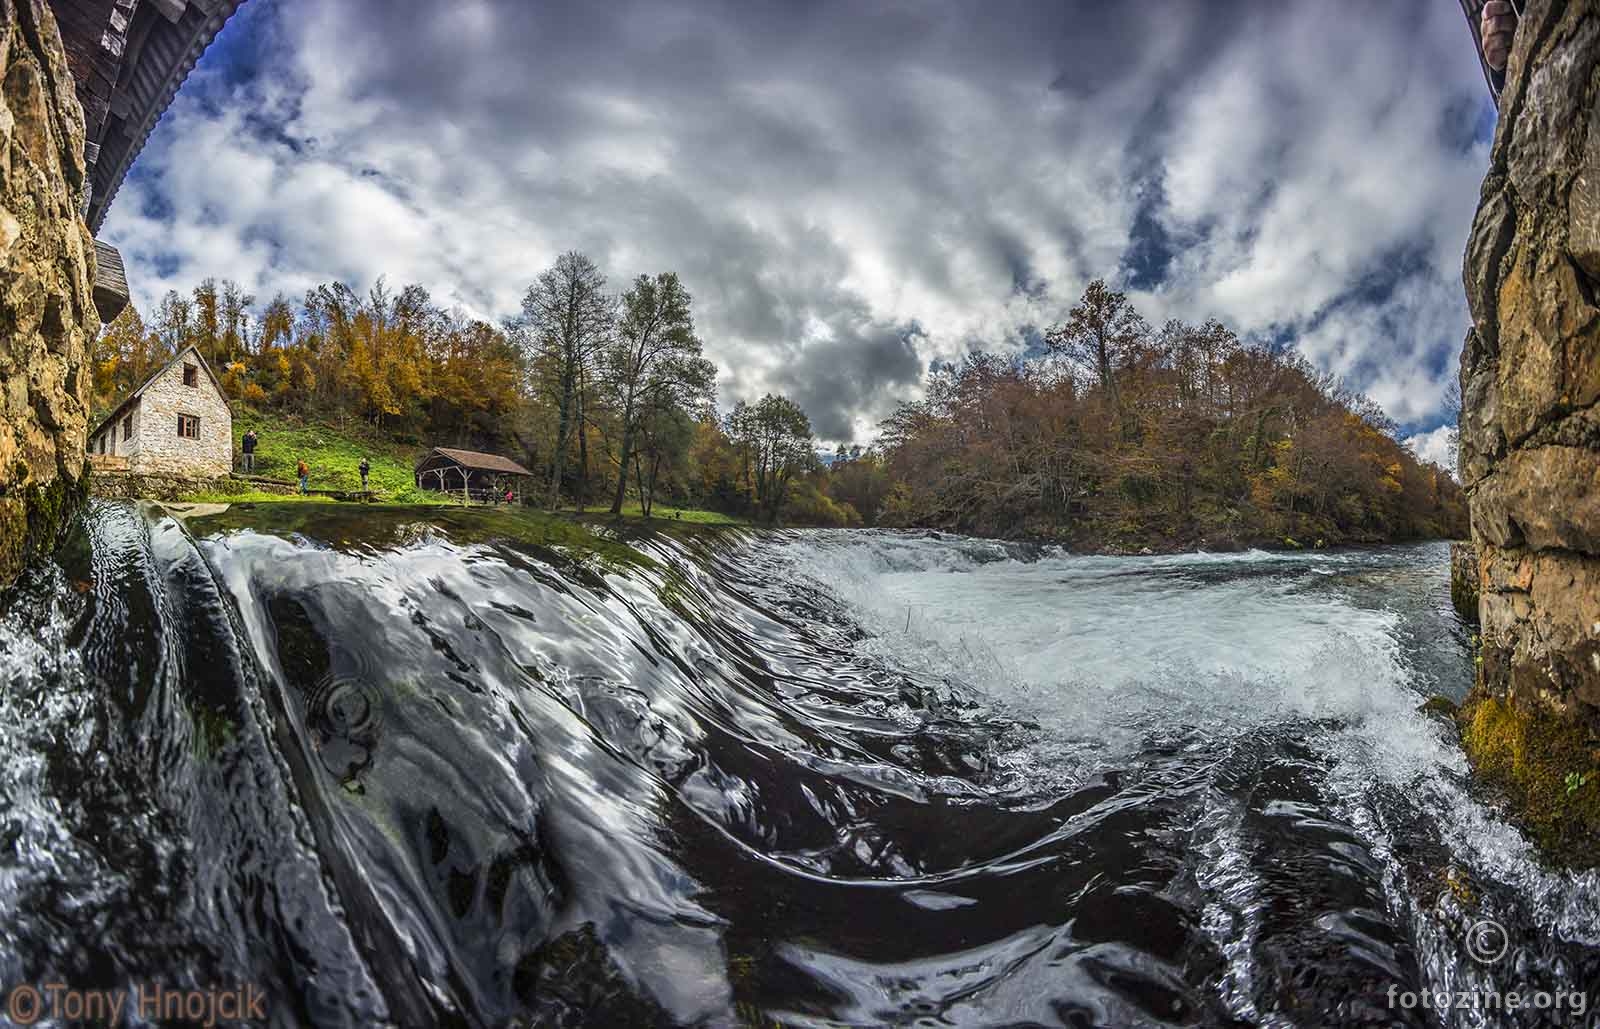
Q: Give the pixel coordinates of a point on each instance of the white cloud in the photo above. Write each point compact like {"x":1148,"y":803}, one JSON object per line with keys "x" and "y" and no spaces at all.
{"x":1435,"y":447}
{"x":922,"y":174}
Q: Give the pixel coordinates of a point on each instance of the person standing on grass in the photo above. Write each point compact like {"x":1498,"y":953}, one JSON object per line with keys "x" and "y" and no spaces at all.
{"x":248,"y":445}
{"x":305,"y":476}
{"x":365,"y":468}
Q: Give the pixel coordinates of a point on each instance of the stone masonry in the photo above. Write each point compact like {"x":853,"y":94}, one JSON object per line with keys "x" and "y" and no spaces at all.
{"x":47,"y":313}
{"x":1530,"y":371}
{"x":154,"y":446}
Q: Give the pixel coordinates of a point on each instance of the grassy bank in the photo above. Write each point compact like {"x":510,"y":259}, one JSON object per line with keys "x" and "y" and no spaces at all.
{"x":348,"y":526}
{"x":334,"y":456}
{"x":667,"y":513}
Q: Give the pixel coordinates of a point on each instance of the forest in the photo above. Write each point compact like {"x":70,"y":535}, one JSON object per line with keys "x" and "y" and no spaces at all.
{"x":1120,"y":435}
{"x":1111,"y":435}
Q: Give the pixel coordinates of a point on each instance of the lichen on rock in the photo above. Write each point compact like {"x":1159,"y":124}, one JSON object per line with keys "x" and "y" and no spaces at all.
{"x":47,"y":315}
{"x":1530,"y":433}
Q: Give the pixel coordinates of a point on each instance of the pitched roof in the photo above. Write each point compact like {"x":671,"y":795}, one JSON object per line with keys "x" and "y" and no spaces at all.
{"x":477,"y":460}
{"x":127,"y":401}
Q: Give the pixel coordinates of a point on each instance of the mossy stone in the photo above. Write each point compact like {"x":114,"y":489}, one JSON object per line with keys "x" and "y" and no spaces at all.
{"x":1534,"y":758}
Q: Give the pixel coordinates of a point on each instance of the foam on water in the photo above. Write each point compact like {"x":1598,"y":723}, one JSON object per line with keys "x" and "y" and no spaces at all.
{"x":1111,"y":656}
{"x":821,"y":778}
{"x":1105,"y":653}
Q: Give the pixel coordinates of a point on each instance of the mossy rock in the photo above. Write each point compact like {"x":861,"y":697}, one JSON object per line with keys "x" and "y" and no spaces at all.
{"x":34,"y":522}
{"x":1547,"y":766}
{"x":1438,"y":705}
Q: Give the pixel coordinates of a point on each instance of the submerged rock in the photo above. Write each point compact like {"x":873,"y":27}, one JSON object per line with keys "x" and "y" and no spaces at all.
{"x":1530,"y":432}
{"x":46,"y":287}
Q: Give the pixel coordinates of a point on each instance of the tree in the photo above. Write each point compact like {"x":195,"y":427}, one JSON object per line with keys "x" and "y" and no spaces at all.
{"x":207,"y":323}
{"x":277,"y":323}
{"x":124,"y":356}
{"x":235,"y":318}
{"x":1100,"y":333}
{"x":655,"y":355}
{"x":780,"y":443}
{"x":567,"y":317}
{"x":665,"y":434}
{"x":172,"y":321}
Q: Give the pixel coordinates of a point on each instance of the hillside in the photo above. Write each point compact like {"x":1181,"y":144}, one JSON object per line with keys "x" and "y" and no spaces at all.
{"x":333,"y":454}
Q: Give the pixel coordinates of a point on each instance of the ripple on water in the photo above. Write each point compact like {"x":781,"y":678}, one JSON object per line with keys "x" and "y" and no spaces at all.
{"x":822,"y":778}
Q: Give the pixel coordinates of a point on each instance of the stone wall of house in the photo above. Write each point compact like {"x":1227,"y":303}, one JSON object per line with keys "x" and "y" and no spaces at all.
{"x":157,"y":447}
{"x":117,"y":439}
{"x":46,"y":281}
{"x":1530,"y":425}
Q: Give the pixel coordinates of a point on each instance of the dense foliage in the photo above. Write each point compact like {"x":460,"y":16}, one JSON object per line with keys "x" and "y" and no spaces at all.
{"x":601,"y":395}
{"x":1116,"y":435}
{"x":1120,"y":435}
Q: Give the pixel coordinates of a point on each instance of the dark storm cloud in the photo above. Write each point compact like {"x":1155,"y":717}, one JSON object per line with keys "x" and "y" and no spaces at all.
{"x":849,"y":190}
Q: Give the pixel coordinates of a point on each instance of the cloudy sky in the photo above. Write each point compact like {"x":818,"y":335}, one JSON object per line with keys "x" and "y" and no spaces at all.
{"x":850,"y":190}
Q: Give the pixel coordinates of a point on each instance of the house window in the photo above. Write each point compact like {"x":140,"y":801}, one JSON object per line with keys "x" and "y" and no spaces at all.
{"x":191,"y":375}
{"x":189,"y":426}
{"x":127,"y":427}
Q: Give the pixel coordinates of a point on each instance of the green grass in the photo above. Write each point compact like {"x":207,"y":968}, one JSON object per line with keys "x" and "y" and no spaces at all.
{"x":660,"y":512}
{"x":333,"y":455}
{"x":347,"y":525}
{"x":250,"y":496}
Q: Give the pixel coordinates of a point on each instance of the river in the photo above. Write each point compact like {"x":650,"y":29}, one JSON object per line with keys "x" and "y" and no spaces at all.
{"x":393,"y":771}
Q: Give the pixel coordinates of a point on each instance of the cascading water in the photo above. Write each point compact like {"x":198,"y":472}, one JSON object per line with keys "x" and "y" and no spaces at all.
{"x":393,"y":771}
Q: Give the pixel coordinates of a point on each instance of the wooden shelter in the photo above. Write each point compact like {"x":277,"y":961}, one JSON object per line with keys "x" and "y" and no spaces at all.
{"x":471,"y":474}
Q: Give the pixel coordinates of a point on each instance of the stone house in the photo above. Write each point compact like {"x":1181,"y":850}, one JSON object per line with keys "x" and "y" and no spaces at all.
{"x":177,"y":423}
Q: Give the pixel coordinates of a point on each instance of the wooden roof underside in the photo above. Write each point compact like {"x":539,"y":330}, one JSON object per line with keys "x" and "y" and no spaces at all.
{"x":128,"y":58}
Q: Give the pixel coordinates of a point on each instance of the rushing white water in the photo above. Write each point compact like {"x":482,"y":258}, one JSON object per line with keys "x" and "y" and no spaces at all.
{"x":1107,"y":653}
{"x":1115,"y":658}
{"x":394,"y":771}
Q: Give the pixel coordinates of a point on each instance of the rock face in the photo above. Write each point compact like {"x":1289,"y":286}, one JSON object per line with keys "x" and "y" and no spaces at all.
{"x":47,"y":313}
{"x":1530,"y":424}
{"x":1464,"y":580}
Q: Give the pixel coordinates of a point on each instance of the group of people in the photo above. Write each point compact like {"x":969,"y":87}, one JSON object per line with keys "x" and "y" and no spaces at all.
{"x":301,"y":470}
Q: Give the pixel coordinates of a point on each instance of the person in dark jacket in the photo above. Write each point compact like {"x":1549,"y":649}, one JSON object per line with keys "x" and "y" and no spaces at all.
{"x":365,"y":468}
{"x":248,"y":445}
